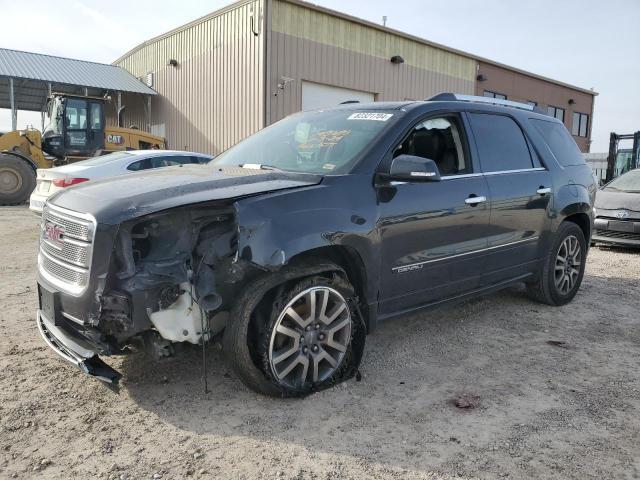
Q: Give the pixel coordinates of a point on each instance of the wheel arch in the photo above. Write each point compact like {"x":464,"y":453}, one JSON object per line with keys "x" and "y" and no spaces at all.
{"x":583,"y":221}
{"x":352,"y":266}
{"x":574,"y":203}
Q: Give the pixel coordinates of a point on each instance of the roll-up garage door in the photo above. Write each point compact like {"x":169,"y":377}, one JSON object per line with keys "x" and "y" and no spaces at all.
{"x":318,"y":95}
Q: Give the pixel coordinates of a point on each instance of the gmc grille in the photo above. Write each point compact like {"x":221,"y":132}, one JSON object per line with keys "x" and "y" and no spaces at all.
{"x":66,"y":247}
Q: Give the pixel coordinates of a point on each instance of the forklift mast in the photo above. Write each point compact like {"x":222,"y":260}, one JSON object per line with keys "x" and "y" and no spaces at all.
{"x":613,"y":169}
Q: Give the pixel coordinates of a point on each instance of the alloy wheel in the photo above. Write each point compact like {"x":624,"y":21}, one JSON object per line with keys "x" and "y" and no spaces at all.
{"x":310,"y":337}
{"x":567,"y":266}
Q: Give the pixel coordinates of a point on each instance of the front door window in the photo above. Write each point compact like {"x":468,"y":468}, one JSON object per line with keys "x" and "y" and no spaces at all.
{"x":76,"y":123}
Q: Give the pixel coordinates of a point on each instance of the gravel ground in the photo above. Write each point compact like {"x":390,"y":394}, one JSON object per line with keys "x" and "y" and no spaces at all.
{"x":569,"y":410}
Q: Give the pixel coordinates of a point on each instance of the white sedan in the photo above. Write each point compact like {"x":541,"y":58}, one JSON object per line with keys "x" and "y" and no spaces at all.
{"x":52,"y":180}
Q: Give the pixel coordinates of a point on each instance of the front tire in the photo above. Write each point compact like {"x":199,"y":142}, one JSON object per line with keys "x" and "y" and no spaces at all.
{"x":304,"y":336}
{"x":561,"y":274}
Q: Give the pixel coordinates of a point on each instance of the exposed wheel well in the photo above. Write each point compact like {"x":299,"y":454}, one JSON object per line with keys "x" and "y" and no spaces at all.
{"x":583,"y":221}
{"x":351,"y":262}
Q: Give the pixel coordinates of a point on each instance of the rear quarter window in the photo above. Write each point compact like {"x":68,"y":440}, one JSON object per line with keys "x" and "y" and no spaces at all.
{"x":501,"y":143}
{"x":559,"y":141}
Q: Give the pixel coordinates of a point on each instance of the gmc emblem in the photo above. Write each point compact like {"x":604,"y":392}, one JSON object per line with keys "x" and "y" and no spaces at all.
{"x":53,"y":233}
{"x":622,"y":214}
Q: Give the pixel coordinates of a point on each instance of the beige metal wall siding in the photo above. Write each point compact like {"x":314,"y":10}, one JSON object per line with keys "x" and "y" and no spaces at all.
{"x":135,"y":113}
{"x":215,"y":96}
{"x":311,"y":45}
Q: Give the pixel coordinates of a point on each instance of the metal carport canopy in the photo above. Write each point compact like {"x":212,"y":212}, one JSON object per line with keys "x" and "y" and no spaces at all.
{"x":26,"y":79}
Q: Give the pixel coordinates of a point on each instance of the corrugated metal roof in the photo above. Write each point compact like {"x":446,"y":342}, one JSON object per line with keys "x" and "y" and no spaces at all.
{"x":34,"y":66}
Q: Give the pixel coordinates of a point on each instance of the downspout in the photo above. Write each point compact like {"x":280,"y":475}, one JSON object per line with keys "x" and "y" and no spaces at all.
{"x":149,"y":113}
{"x":119,"y":110}
{"x":266,"y":40}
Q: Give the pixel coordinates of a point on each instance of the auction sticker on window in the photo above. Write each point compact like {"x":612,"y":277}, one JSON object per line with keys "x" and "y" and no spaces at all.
{"x":378,"y":117}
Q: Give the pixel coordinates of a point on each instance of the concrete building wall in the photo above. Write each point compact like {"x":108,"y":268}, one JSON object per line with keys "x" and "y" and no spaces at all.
{"x":214,"y":97}
{"x":522,"y":87}
{"x":309,"y":43}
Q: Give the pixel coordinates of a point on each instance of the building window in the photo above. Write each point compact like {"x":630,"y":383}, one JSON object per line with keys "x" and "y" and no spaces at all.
{"x":499,"y":96}
{"x":556,"y":112}
{"x":580,"y":124}
{"x":532,"y":103}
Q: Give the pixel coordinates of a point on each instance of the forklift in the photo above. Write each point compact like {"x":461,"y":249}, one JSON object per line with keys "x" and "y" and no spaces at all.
{"x":76,"y":131}
{"x":621,"y":160}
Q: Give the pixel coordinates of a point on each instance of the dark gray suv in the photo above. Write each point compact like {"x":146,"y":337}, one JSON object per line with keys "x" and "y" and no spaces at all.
{"x":298,"y":241}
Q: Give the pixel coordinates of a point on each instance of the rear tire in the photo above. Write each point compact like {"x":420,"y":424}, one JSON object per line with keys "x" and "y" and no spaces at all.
{"x":563,"y":268}
{"x":17,"y":180}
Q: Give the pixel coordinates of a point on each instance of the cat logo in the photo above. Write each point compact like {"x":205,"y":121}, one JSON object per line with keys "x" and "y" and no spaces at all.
{"x":116,"y":139}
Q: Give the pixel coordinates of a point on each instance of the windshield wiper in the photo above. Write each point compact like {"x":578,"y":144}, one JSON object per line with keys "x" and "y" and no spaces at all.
{"x":260,"y":166}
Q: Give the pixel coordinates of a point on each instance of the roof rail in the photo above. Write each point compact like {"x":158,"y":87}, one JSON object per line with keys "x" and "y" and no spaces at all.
{"x":458,"y":97}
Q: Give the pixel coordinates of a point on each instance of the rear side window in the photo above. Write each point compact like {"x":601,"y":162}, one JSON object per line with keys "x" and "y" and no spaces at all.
{"x":201,"y":160}
{"x":560,"y":143}
{"x":501,"y":143}
{"x":140,"y":165}
{"x":168,"y":161}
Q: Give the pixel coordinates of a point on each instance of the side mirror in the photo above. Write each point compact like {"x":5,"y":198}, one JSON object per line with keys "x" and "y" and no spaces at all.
{"x":409,"y":168}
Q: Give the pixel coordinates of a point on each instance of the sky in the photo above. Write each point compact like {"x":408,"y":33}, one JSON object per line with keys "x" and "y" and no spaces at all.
{"x":587,"y":43}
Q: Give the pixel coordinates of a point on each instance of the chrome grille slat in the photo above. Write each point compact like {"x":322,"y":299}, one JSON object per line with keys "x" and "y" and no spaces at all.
{"x":75,"y":254}
{"x":76,"y":228}
{"x":63,"y":272}
{"x":65,"y":261}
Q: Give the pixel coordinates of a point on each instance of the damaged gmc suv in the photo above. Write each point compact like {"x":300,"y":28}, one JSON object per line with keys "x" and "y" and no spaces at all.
{"x":294,"y":244}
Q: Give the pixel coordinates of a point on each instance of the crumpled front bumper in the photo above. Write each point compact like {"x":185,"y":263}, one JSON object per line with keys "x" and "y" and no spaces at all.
{"x":65,"y":346}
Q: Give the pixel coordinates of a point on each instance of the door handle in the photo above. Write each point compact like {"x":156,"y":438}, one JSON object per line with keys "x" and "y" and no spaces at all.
{"x":544,"y":190}
{"x":474,"y":200}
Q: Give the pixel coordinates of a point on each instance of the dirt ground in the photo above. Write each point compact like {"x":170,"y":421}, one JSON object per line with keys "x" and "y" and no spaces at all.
{"x":542,"y":410}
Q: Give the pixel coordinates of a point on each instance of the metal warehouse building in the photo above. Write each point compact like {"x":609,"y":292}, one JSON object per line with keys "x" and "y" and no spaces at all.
{"x":230,"y":73}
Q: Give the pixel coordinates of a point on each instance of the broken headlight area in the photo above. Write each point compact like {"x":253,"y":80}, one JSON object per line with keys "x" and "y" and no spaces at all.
{"x":172,"y":276}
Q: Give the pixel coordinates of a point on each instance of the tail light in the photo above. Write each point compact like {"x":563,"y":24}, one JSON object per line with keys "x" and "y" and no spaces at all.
{"x":67,"y":182}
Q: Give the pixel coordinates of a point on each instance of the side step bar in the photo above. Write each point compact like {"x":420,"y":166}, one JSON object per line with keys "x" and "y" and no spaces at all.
{"x":86,"y":360}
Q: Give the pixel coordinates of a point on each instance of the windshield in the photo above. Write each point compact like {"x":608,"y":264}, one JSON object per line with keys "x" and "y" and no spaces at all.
{"x":76,"y":114}
{"x":111,"y":157}
{"x":629,"y":182}
{"x":623,"y":161}
{"x":326,"y":142}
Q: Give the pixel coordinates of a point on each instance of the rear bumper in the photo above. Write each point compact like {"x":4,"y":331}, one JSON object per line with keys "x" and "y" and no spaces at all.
{"x":71,"y":351}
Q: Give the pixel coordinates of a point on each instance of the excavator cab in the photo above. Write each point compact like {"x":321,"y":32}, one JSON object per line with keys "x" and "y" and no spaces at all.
{"x":76,"y":126}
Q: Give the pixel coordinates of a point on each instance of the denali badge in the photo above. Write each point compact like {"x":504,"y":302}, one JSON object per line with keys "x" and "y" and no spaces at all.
{"x":53,"y":233}
{"x":622,"y":214}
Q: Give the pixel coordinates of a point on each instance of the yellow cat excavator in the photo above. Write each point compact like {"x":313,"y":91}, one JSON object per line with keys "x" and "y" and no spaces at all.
{"x":76,"y":131}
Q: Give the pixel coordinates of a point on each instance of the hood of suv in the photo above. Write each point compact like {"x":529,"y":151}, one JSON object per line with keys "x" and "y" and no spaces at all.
{"x":117,"y":199}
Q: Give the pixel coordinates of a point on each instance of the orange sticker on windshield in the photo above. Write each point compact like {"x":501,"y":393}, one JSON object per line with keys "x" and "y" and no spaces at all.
{"x":327,"y":138}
